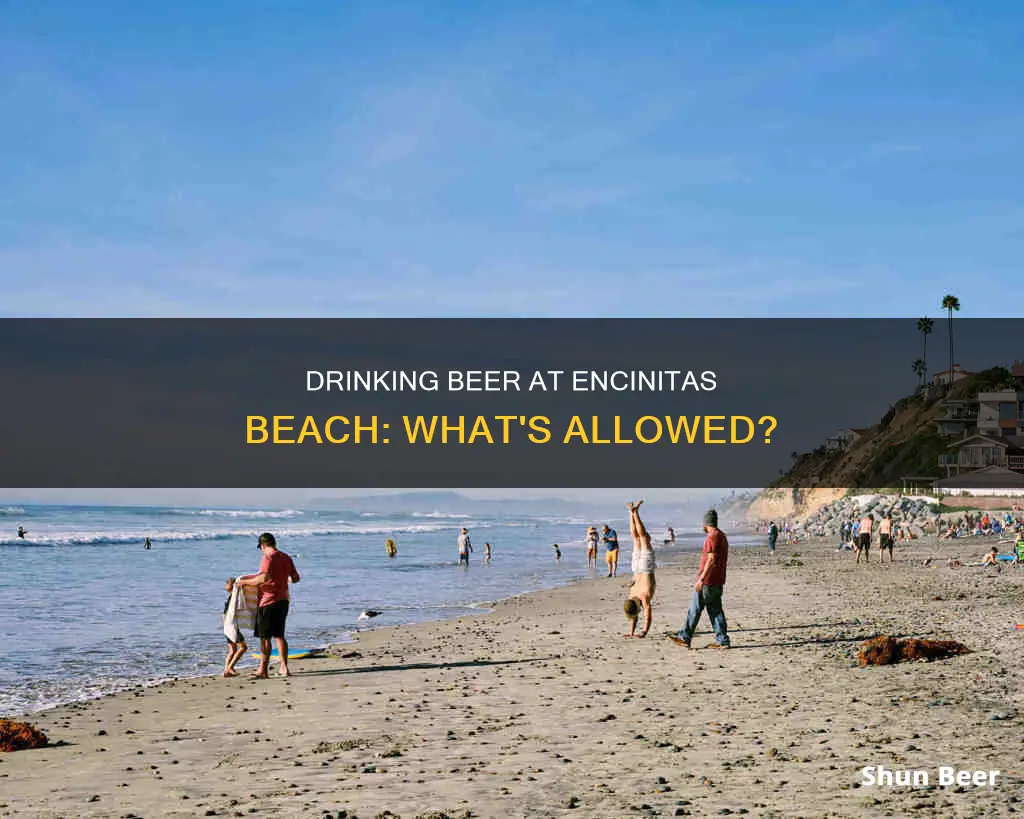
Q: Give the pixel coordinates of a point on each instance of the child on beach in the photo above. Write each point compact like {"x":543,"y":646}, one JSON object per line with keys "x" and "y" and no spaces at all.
{"x":592,"y":547}
{"x":236,"y":647}
{"x":641,"y":590}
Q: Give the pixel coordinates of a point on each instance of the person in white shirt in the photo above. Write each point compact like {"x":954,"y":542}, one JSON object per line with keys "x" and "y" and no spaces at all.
{"x":465,"y":547}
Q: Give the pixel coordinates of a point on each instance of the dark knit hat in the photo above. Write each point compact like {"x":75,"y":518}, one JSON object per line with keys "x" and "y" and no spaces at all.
{"x":711,"y":518}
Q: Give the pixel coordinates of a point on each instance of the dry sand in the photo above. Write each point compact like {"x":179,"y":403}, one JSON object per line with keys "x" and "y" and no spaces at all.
{"x":542,"y":708}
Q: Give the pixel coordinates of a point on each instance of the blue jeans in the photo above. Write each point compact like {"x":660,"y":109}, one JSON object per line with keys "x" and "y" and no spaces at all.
{"x":709,"y":597}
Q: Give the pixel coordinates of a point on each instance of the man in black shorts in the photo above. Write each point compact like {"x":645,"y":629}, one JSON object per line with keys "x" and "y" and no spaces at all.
{"x":276,"y":570}
{"x":864,"y":537}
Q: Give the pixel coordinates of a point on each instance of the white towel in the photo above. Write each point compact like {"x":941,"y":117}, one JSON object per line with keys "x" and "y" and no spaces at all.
{"x":241,"y":610}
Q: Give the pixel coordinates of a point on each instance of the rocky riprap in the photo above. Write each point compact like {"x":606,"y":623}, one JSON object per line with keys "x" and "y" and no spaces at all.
{"x":918,"y":515}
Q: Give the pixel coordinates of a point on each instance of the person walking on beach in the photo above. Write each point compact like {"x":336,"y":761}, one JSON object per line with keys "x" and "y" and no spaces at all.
{"x":641,"y":590}
{"x":864,"y":537}
{"x":710,"y":585}
{"x":885,"y":538}
{"x":276,"y":570}
{"x":465,"y":547}
{"x":773,"y":536}
{"x":236,"y":646}
{"x":611,"y":545}
{"x":592,"y":547}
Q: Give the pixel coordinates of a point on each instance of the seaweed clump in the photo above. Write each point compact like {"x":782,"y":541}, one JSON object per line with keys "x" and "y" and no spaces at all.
{"x":886,"y":650}
{"x":20,"y":736}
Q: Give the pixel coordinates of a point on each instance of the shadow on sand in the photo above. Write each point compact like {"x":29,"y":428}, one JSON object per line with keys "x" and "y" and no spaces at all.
{"x":419,"y":666}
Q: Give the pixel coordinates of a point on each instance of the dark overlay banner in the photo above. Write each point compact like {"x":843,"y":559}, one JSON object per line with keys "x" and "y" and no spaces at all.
{"x":488,"y":403}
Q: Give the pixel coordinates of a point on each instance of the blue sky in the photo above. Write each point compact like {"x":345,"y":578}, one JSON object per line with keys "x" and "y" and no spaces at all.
{"x":509,"y":159}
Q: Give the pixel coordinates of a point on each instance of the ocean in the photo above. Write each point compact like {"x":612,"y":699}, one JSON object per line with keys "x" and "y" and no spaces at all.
{"x":91,"y":611}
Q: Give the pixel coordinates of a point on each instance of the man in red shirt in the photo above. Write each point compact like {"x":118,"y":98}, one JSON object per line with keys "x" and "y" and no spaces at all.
{"x":276,"y":570}
{"x":710,"y":584}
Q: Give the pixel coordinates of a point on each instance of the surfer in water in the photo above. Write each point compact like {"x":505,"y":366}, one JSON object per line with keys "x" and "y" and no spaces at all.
{"x":22,"y":531}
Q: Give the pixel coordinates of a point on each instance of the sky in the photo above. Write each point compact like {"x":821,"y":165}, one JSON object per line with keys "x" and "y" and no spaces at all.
{"x":578,"y":159}
{"x":278,"y":498}
{"x":510,"y":159}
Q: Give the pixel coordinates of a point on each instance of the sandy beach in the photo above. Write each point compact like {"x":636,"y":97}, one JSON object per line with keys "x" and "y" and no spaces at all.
{"x":542,"y":708}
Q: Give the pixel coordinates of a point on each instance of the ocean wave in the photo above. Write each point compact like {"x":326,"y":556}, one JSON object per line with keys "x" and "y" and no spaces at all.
{"x":12,"y":510}
{"x":236,"y":513}
{"x":441,"y":515}
{"x":157,"y":537}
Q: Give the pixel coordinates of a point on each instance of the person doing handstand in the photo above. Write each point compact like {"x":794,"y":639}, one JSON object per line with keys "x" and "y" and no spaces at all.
{"x":641,"y":590}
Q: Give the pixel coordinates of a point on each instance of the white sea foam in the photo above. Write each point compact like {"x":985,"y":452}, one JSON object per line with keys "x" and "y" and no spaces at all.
{"x":12,"y":510}
{"x":79,"y":538}
{"x":255,"y":514}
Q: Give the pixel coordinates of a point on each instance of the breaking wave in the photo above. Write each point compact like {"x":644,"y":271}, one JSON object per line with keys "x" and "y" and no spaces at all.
{"x":157,"y":537}
{"x":255,"y":514}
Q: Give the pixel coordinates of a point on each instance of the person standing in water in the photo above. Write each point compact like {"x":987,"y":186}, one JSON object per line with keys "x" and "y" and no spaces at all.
{"x":670,"y":534}
{"x":276,"y":571}
{"x":487,"y":553}
{"x":611,"y":546}
{"x":465,"y":547}
{"x":641,"y":590}
{"x":707,"y":591}
{"x":558,"y":552}
{"x":147,"y":544}
{"x":592,"y":547}
{"x":22,"y":531}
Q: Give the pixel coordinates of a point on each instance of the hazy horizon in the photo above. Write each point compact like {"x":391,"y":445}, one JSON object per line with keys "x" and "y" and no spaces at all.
{"x":299,"y":497}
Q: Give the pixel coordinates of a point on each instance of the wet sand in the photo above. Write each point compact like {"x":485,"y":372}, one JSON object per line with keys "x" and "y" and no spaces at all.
{"x":542,"y":708}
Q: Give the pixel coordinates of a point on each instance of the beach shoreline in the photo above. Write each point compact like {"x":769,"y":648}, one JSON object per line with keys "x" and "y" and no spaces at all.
{"x":541,"y":708}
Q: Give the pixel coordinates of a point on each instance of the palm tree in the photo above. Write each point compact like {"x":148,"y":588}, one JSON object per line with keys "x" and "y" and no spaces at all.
{"x":949,"y":304}
{"x":918,"y":368}
{"x":924,"y":326}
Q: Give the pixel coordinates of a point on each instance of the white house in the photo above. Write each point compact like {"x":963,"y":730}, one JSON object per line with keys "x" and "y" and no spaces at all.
{"x":991,"y":481}
{"x":959,"y":418}
{"x":979,"y":451}
{"x":1001,"y":413}
{"x":950,"y":376}
{"x":843,"y":439}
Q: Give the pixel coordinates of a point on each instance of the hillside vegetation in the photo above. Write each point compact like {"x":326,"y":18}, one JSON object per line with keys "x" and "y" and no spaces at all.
{"x":904,"y":442}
